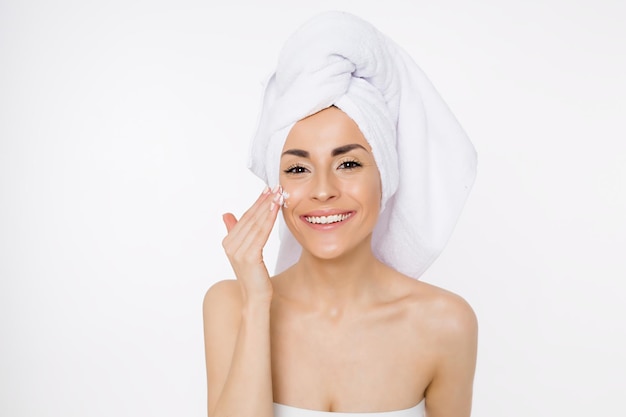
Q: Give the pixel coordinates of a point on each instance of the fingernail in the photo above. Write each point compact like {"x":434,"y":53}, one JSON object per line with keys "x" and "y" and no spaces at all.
{"x":275,"y":189}
{"x":272,"y":204}
{"x":266,"y":190}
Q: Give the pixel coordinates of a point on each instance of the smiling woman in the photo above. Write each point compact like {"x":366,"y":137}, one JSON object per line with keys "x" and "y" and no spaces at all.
{"x":369,"y":171}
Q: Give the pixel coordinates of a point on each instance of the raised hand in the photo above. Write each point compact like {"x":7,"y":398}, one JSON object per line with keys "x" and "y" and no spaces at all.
{"x":245,"y":241}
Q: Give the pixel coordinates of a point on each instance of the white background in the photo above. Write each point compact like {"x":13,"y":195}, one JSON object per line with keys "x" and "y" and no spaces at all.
{"x":123,"y":138}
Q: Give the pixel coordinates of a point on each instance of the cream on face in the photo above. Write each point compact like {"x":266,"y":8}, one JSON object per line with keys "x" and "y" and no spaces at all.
{"x":281,"y":196}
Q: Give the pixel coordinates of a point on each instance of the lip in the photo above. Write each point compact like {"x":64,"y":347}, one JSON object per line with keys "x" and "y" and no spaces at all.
{"x":325,"y":213}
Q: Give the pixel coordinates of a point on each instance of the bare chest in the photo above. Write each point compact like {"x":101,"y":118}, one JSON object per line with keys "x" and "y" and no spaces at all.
{"x":373,"y":362}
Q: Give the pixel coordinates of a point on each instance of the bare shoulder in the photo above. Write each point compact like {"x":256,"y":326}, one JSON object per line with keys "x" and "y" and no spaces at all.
{"x":221,"y":311}
{"x":223,"y":299}
{"x":448,"y":327}
{"x":446,"y":315}
{"x":452,"y":311}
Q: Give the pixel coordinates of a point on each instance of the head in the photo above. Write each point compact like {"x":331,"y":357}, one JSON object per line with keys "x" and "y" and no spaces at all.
{"x":328,"y":169}
{"x":410,"y":130}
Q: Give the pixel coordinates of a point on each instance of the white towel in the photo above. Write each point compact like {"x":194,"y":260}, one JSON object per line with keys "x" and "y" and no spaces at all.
{"x":426,"y":162}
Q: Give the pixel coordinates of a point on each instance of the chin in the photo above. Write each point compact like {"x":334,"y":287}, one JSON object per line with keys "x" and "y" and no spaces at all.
{"x":326,"y":254}
{"x":329,"y":251}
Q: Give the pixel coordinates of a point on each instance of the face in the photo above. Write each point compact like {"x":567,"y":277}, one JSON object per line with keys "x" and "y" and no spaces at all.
{"x":328,"y":169}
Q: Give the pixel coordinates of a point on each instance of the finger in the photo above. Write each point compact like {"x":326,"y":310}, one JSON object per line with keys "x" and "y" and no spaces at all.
{"x":237,"y":229}
{"x":255,"y":234}
{"x":258,"y":212}
{"x":229,"y":220}
{"x":259,"y":201}
{"x":247,"y":227}
{"x":251,"y":234}
{"x":249,"y":250}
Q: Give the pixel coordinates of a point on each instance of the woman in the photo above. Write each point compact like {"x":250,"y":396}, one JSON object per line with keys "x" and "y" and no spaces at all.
{"x":343,"y":326}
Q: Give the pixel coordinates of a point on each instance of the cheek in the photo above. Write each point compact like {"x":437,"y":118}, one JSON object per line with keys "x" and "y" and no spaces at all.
{"x":368,"y":191}
{"x":293,"y":192}
{"x":295,"y":195}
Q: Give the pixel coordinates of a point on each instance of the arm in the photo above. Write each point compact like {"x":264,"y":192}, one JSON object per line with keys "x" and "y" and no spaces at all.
{"x":237,"y":319}
{"x":450,"y":392}
{"x":237,"y":350}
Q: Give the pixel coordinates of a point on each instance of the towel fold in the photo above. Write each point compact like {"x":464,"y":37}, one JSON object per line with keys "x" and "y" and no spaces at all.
{"x":426,"y":162}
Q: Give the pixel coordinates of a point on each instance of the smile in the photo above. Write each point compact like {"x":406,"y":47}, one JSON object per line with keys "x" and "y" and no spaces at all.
{"x":335,"y":218}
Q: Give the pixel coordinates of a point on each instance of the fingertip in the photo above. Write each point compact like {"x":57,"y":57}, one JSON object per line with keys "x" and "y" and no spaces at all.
{"x":229,"y":221}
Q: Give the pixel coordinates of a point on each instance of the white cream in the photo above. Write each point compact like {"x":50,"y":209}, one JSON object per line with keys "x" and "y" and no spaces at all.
{"x":284,"y":195}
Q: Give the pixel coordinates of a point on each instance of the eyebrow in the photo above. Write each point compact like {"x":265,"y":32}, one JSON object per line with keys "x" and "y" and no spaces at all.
{"x":345,"y":149}
{"x":337,"y":151}
{"x":296,"y":152}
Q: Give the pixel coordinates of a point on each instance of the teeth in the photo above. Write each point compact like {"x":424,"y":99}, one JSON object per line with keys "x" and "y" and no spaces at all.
{"x":327,"y":219}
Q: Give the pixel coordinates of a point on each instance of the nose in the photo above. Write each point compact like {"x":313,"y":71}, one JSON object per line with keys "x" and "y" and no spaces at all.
{"x":324,"y":187}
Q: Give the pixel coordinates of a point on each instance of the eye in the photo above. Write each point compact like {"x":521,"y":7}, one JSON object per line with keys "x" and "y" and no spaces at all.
{"x":295,"y":169}
{"x":349,"y":164}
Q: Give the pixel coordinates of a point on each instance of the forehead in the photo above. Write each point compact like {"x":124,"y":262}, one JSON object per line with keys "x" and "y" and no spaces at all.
{"x":327,"y":129}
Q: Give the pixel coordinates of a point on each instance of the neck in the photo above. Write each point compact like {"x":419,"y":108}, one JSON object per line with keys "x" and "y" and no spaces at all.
{"x":335,"y":284}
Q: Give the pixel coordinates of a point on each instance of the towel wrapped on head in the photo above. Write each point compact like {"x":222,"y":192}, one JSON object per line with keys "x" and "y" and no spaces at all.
{"x":426,"y":162}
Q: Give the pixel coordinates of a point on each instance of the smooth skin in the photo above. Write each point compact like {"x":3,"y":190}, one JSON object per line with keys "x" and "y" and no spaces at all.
{"x":348,"y":333}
